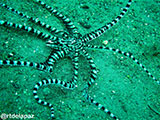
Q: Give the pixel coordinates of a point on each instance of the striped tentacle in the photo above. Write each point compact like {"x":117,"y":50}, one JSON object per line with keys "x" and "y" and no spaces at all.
{"x":100,"y":106}
{"x":93,"y":75}
{"x":39,"y":66}
{"x":39,"y":33}
{"x":54,"y":56}
{"x":48,"y":82}
{"x":127,"y":55}
{"x":75,"y":67}
{"x":35,"y":20}
{"x":68,"y":85}
{"x":72,"y":28}
{"x":91,"y":81}
{"x":59,"y":54}
{"x":103,"y":29}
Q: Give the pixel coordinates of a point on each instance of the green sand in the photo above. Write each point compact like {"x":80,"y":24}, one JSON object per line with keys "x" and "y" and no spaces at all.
{"x":121,"y":85}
